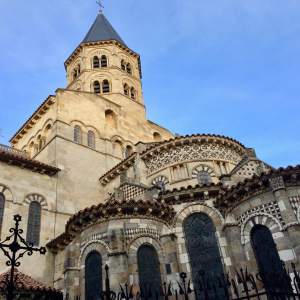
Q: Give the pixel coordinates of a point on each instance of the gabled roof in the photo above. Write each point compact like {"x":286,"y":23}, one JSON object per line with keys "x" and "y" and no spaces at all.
{"x":102,"y":31}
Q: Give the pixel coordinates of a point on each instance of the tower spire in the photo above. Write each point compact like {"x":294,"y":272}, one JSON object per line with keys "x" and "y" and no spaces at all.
{"x":99,"y":2}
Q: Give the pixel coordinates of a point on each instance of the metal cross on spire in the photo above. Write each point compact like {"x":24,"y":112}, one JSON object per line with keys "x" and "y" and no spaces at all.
{"x":99,"y":2}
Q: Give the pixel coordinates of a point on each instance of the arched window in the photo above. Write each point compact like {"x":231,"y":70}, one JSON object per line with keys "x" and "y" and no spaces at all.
{"x":2,"y":204}
{"x":203,"y":177}
{"x":74,"y":74}
{"x":128,"y":151}
{"x":123,"y":65}
{"x":132,"y":93}
{"x":157,"y":137}
{"x":91,"y":139}
{"x":97,"y":87}
{"x":118,"y":149}
{"x":77,"y":134}
{"x":78,"y":69}
{"x":128,"y":68}
{"x":148,"y":267}
{"x":93,"y":276}
{"x":103,"y":61}
{"x":105,"y":86}
{"x":126,"y":88}
{"x":39,"y":142}
{"x":161,"y":181}
{"x":34,"y":223}
{"x":96,"y":62}
{"x":203,"y":250}
{"x":265,"y":249}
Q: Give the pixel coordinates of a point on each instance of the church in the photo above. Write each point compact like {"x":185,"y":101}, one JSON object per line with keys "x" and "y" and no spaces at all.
{"x":98,"y":183}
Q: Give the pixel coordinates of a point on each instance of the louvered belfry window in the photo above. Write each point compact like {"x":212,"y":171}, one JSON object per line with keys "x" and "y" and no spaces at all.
{"x":96,"y":62}
{"x":77,"y":134}
{"x":2,"y":203}
{"x":103,"y":61}
{"x":34,"y":224}
{"x":97,"y":87}
{"x":105,"y":86}
{"x":91,"y":139}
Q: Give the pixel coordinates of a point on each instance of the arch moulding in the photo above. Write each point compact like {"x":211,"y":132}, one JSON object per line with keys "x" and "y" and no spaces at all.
{"x":259,"y":218}
{"x":88,"y":248}
{"x":195,"y":207}
{"x":5,"y":190}
{"x":146,"y":239}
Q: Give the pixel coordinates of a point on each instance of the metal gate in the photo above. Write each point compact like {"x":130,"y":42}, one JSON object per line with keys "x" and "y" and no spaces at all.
{"x":203,"y":250}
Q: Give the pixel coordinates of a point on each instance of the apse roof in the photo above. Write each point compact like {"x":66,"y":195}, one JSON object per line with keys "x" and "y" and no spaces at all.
{"x":101,"y":30}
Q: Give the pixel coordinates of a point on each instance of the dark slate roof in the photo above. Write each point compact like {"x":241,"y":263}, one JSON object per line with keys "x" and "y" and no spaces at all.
{"x":102,"y":31}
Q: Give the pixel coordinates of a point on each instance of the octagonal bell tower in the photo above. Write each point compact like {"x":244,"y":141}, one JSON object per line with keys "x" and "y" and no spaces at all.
{"x":103,"y":64}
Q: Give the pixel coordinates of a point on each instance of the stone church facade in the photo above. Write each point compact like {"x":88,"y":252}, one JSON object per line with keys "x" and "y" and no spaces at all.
{"x":98,"y":183}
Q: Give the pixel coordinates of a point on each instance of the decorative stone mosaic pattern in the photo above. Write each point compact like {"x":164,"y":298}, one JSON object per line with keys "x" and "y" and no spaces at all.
{"x":131,"y":191}
{"x":190,"y":152}
{"x":130,"y":233}
{"x":101,"y":236}
{"x":36,"y":198}
{"x":270,"y":208}
{"x":162,"y":179}
{"x":203,"y":169}
{"x":295,"y":201}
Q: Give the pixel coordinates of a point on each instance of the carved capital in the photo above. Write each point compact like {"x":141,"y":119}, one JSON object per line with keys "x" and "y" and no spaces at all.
{"x":276,"y":183}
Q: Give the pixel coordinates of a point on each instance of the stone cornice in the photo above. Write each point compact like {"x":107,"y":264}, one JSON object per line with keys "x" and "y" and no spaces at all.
{"x":33,"y":119}
{"x":249,"y":188}
{"x":110,"y":211}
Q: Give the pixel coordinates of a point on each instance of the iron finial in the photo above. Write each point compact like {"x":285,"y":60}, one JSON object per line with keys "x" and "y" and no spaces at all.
{"x":99,"y":2}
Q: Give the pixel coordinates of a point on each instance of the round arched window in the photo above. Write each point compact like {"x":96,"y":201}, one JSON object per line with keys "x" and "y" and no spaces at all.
{"x":204,"y":177}
{"x":161,"y":184}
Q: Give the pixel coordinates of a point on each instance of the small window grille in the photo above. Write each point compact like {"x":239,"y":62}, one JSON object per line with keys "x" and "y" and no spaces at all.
{"x":34,"y":223}
{"x":91,"y":139}
{"x":105,"y":86}
{"x":77,"y":134}
{"x":96,"y":62}
{"x":97,"y":87}
{"x":2,"y":204}
{"x":103,"y":61}
{"x":204,"y":177}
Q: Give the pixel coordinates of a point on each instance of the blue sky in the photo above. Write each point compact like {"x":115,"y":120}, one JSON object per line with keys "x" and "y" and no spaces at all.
{"x":224,"y":67}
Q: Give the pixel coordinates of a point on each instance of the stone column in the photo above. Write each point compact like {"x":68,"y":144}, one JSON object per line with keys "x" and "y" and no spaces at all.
{"x":118,"y":265}
{"x":221,"y":167}
{"x":288,"y":215}
{"x":227,"y":169}
{"x":179,"y":171}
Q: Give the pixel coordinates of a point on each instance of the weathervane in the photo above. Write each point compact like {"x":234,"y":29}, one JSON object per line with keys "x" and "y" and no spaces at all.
{"x":99,"y":2}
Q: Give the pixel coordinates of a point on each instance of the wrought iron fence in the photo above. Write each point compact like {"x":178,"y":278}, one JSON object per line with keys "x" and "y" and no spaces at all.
{"x":260,"y":286}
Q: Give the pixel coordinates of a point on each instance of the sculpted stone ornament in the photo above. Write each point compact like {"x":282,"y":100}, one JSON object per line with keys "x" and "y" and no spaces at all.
{"x":276,"y":183}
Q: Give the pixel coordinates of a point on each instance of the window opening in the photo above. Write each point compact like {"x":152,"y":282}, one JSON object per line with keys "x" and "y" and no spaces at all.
{"x":97,"y":87}
{"x":127,"y":151}
{"x":77,"y":134}
{"x":93,"y":276}
{"x":103,"y":61}
{"x":132,"y":93}
{"x":203,"y":251}
{"x":122,"y":66}
{"x":2,"y":204}
{"x":148,"y":268}
{"x":91,"y":139}
{"x":128,"y":69}
{"x":105,"y":86}
{"x":96,"y":62}
{"x":34,"y":223}
{"x":204,"y":177}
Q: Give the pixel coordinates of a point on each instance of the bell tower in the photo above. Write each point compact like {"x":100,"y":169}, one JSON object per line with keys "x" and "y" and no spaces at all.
{"x":103,"y":64}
